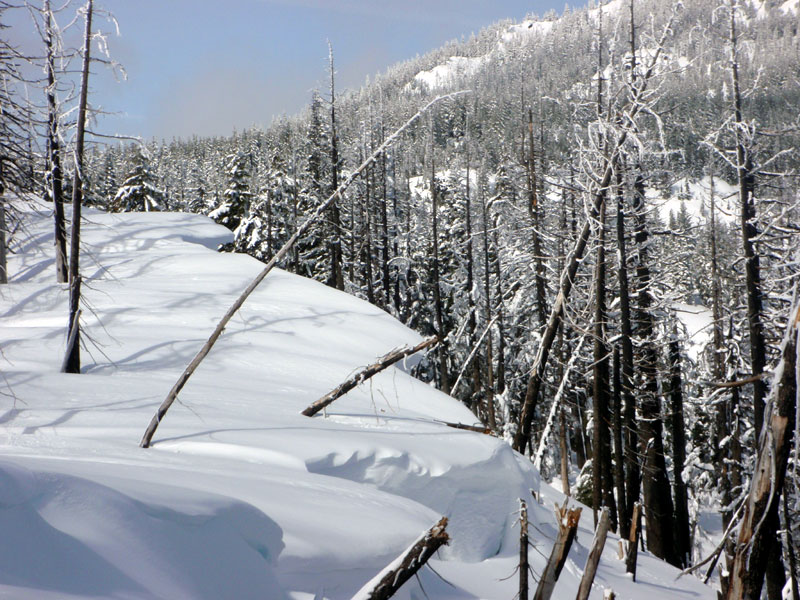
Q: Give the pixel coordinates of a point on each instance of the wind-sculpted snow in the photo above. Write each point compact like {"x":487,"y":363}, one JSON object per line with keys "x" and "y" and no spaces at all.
{"x":240,"y":496}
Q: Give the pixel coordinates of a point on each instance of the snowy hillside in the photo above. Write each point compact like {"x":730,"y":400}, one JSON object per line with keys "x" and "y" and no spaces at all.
{"x":241,"y":496}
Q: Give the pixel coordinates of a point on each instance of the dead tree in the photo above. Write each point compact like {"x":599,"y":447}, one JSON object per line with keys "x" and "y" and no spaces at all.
{"x":279,"y":255}
{"x":54,"y":177}
{"x":387,"y":582}
{"x":598,"y":543}
{"x":758,"y":530}
{"x":567,"y":528}
{"x":631,"y":545}
{"x":524,"y":566}
{"x":381,"y":364}
{"x":72,"y":362}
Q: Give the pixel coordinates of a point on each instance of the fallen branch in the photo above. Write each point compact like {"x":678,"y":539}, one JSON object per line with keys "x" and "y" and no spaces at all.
{"x":386,"y":583}
{"x":476,"y":428}
{"x":567,"y":528}
{"x":733,"y":384}
{"x":594,"y":556}
{"x":187,"y":373}
{"x":384,"y":362}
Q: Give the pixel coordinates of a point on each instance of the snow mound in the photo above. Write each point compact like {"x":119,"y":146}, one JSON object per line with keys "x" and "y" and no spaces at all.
{"x":240,"y":496}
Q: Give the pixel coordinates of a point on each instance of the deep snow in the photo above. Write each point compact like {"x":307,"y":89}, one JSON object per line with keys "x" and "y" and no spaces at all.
{"x":241,"y":496}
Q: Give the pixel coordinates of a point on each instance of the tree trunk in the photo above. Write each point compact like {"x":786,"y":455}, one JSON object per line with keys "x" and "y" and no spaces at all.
{"x":598,"y":543}
{"x":567,"y":520}
{"x":336,"y":276}
{"x":758,"y":530}
{"x":444,"y":381}
{"x":603,"y":483}
{"x":381,"y":364}
{"x":72,"y":362}
{"x":682,"y":528}
{"x":619,"y":468}
{"x":538,"y":258}
{"x":631,"y":436}
{"x":655,"y":483}
{"x":387,"y":582}
{"x":523,"y":566}
{"x":54,"y":176}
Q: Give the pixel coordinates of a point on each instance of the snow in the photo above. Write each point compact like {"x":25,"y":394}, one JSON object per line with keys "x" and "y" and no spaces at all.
{"x":791,"y":6}
{"x":695,"y":197}
{"x":698,"y":322}
{"x":241,"y":496}
{"x":455,"y":69}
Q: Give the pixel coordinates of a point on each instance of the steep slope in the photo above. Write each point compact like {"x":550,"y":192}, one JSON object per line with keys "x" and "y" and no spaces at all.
{"x":240,"y":496}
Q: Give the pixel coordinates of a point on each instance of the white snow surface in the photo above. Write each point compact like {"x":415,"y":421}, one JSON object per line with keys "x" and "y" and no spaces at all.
{"x":241,"y":496}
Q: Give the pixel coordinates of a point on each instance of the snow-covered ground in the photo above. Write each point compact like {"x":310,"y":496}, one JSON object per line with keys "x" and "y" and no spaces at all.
{"x":241,"y":496}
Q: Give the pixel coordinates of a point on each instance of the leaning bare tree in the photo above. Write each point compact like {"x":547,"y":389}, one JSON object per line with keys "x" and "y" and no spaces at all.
{"x":279,"y":255}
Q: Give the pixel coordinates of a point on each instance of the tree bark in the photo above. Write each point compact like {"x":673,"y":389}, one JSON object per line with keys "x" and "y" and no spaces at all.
{"x":758,"y":530}
{"x":444,"y":380}
{"x":632,"y":544}
{"x":387,"y":582}
{"x":598,"y":543}
{"x":567,"y":520}
{"x":381,"y":364}
{"x":72,"y":362}
{"x":682,"y":528}
{"x":523,"y":567}
{"x":54,"y":175}
{"x":336,"y":276}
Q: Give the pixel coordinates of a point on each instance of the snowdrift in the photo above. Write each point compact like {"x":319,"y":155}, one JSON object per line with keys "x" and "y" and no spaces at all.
{"x":241,"y":496}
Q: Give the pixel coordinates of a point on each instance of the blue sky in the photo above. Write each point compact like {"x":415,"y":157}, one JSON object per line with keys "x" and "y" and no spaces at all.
{"x":208,"y":66}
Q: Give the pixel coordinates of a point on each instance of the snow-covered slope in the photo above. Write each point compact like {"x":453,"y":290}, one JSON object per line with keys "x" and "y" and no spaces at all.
{"x":240,"y":496}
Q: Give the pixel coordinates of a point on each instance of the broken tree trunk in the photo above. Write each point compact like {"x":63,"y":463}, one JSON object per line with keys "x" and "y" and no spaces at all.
{"x":384,"y":362}
{"x":632,"y":544}
{"x":279,"y":255}
{"x":567,"y":528}
{"x":386,"y":583}
{"x":759,"y":521}
{"x":598,"y":544}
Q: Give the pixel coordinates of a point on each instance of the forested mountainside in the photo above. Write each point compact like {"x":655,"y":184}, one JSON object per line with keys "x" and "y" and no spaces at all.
{"x":601,"y":226}
{"x":464,"y":227}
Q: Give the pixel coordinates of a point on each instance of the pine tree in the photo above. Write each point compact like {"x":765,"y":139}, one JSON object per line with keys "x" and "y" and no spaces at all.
{"x":139,"y":191}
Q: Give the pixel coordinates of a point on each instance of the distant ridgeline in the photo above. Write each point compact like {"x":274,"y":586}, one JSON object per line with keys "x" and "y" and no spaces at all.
{"x":640,"y":141}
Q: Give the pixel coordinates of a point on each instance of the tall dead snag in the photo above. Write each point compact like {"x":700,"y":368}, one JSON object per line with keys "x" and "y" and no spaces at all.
{"x":72,"y":362}
{"x":386,"y":583}
{"x":598,"y":543}
{"x":53,"y":177}
{"x":524,"y":566}
{"x":382,"y":363}
{"x":279,"y":255}
{"x":567,"y":528}
{"x":759,"y":523}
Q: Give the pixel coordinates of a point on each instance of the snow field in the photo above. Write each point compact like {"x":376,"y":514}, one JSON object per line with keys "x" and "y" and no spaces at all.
{"x":241,"y":496}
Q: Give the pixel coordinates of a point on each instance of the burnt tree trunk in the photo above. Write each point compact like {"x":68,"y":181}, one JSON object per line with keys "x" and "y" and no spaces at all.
{"x":72,"y":363}
{"x":758,"y":530}
{"x":682,"y":528}
{"x":567,"y":520}
{"x":54,"y":177}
